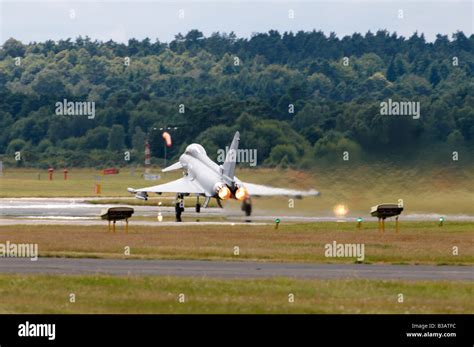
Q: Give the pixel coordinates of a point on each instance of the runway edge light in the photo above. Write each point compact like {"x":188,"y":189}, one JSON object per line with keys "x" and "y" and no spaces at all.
{"x":441,"y":221}
{"x":277,"y":222}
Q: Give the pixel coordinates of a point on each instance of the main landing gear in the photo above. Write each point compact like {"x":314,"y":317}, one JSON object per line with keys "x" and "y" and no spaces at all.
{"x":198,"y":205}
{"x":179,"y":206}
{"x":247,"y":206}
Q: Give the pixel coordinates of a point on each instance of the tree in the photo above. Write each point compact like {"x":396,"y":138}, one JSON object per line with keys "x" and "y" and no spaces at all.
{"x":97,"y":138}
{"x":303,"y":69}
{"x":391,"y":72}
{"x":13,"y":48}
{"x":400,"y":66}
{"x":245,"y":121}
{"x":48,"y":83}
{"x":334,"y":144}
{"x":44,"y":146}
{"x":282,"y":155}
{"x":15,"y":145}
{"x":138,"y":139}
{"x":116,"y":138}
{"x":434,"y":76}
{"x":455,"y":138}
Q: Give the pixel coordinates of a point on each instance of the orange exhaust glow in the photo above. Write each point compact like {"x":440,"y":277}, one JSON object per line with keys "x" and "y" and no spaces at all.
{"x":241,"y":193}
{"x":224,"y":193}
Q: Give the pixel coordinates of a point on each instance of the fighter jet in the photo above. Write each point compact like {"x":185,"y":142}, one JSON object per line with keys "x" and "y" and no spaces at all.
{"x":204,"y":178}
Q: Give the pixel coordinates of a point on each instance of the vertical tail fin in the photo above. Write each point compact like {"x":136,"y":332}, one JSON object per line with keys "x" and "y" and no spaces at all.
{"x":231,"y":157}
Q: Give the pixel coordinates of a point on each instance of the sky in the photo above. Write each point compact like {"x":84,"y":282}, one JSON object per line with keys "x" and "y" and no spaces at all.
{"x":121,"y":20}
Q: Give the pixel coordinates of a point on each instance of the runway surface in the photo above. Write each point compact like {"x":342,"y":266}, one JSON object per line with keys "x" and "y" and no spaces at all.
{"x":77,"y":211}
{"x":234,"y":270}
{"x":101,"y":223}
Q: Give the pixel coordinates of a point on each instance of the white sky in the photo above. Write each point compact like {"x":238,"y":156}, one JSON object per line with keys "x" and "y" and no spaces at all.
{"x":121,"y":20}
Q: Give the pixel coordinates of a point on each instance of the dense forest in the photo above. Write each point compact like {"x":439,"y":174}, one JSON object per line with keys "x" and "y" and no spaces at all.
{"x":298,"y":98}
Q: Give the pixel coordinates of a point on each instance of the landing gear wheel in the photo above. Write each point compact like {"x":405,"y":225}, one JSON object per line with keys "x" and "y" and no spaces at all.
{"x":179,"y":206}
{"x":198,"y":207}
{"x":178,"y":210}
{"x":247,"y":207}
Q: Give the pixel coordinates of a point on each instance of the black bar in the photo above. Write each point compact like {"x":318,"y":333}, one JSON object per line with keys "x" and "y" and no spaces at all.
{"x":382,"y":330}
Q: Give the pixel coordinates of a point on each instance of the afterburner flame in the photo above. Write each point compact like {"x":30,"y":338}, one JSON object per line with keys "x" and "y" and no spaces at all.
{"x":241,"y":193}
{"x":224,"y":193}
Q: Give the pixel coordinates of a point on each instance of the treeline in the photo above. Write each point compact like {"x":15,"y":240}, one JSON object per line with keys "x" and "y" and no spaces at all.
{"x":298,"y":98}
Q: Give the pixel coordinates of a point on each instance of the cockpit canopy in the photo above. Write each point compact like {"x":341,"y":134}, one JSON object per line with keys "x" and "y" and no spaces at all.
{"x":195,"y":150}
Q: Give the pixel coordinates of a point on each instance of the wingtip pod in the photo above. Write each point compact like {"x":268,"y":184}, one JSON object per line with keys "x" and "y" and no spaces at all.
{"x":311,"y":192}
{"x":138,"y":194}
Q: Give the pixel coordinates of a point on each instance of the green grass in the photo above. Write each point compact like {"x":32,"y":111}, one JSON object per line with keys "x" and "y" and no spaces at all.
{"x":416,"y":243}
{"x":81,"y":182}
{"x":108,"y":294}
{"x":441,"y":190}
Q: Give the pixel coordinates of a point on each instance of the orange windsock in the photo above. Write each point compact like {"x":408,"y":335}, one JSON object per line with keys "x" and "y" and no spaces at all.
{"x":167,"y":139}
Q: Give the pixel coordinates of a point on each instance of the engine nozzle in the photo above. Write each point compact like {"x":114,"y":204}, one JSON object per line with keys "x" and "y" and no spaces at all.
{"x":241,"y":193}
{"x":223,"y":192}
